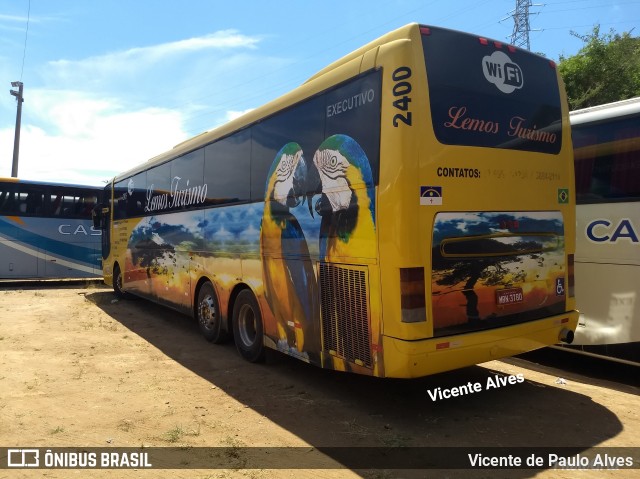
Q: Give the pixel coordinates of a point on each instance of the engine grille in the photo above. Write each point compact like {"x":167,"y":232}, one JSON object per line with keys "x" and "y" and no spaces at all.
{"x":345,"y":312}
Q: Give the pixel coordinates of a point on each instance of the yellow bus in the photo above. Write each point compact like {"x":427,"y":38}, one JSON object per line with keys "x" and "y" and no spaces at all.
{"x":407,"y":210}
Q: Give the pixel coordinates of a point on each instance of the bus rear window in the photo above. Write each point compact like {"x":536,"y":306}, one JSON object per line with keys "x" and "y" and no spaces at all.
{"x":486,"y":93}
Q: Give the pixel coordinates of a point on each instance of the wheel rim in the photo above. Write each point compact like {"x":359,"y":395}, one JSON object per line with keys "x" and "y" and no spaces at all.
{"x":207,"y":312}
{"x":247,"y":325}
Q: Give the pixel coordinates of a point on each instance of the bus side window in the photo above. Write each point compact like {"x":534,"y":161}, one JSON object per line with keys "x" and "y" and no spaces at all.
{"x":56,"y":204}
{"x":625,"y":170}
{"x":34,"y":203}
{"x":4,"y":197}
{"x":187,"y":173}
{"x":7,"y":200}
{"x":233,"y":156}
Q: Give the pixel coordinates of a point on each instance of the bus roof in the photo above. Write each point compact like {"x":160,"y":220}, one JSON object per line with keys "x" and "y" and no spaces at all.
{"x":48,"y":183}
{"x":308,"y":88}
{"x":604,"y":112}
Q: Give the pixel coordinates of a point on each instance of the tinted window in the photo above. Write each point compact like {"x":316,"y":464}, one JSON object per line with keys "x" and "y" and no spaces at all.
{"x":353,"y":109}
{"x":606,"y":160}
{"x":70,"y":202}
{"x":158,"y":188}
{"x":120,"y":200}
{"x":130,"y":196}
{"x":302,"y":124}
{"x":11,"y":200}
{"x":482,"y":95}
{"x":137,"y":188}
{"x":226,"y":169}
{"x":46,"y":200}
{"x":187,"y":189}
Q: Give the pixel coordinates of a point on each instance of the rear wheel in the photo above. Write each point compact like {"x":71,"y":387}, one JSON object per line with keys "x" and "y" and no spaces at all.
{"x":117,"y":283}
{"x":247,"y":327}
{"x":208,"y":315}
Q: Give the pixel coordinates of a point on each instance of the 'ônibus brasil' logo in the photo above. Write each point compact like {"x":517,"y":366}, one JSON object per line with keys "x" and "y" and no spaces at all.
{"x":502,"y":72}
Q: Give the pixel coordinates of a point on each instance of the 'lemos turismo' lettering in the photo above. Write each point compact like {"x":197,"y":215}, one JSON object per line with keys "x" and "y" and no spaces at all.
{"x":459,"y":120}
{"x":529,"y":133}
{"x":177,"y":196}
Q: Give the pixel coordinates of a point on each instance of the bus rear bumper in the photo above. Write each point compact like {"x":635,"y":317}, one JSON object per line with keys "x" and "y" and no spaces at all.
{"x":412,"y":359}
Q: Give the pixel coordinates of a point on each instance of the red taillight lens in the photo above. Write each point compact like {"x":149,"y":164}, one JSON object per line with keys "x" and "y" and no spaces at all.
{"x":425,"y":30}
{"x":412,"y":297}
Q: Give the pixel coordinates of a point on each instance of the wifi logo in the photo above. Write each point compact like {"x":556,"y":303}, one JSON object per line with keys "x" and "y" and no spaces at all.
{"x":502,"y":72}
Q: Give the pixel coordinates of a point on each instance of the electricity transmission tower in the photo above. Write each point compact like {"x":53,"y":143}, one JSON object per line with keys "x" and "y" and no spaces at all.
{"x":521,"y":27}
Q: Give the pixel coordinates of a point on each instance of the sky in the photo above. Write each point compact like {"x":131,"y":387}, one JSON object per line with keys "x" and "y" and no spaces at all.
{"x":109,"y":84}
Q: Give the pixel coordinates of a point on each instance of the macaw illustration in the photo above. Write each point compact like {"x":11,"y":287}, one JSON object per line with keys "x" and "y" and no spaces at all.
{"x":347,"y":202}
{"x":289,"y":280}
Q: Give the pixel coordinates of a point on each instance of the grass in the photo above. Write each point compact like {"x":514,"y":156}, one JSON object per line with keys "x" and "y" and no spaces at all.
{"x":174,"y":435}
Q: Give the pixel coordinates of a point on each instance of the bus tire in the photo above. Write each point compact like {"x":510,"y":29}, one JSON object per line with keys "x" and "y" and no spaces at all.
{"x":247,"y":327}
{"x":208,"y":315}
{"x":117,"y":283}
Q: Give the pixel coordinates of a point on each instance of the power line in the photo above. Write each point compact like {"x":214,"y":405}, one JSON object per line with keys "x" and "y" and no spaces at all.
{"x":26,"y":35}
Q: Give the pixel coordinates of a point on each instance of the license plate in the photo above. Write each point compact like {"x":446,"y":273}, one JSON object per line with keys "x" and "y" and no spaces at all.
{"x":509,"y":296}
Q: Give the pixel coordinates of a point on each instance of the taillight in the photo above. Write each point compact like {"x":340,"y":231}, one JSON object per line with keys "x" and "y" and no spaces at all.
{"x":425,"y":30}
{"x":570,"y":273}
{"x":412,"y":297}
{"x":497,"y":44}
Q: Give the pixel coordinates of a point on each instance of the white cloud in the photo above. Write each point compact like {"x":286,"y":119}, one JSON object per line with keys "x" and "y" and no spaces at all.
{"x":92,"y":117}
{"x":99,"y":68}
{"x":94,"y":141}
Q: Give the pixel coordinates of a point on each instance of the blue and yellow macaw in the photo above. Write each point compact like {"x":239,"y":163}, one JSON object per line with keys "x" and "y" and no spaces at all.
{"x":347,"y":203}
{"x":289,"y":281}
{"x":343,"y":176}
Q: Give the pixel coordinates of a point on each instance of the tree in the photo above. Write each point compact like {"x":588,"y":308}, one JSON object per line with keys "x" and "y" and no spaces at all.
{"x":606,"y":69}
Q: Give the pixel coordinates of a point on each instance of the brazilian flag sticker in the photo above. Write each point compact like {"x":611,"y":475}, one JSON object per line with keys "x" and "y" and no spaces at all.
{"x":563,"y":195}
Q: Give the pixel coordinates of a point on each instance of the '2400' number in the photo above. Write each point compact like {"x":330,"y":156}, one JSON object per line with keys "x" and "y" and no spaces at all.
{"x":401,"y":90}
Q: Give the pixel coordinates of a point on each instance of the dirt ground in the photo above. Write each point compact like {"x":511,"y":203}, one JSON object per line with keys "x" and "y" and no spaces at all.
{"x":79,"y":368}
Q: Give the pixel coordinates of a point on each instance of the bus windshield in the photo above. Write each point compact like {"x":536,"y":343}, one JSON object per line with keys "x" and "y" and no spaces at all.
{"x":506,"y":99}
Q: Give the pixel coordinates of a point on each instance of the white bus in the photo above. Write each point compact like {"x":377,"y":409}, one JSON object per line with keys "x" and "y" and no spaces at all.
{"x":606,"y":141}
{"x":46,"y":230}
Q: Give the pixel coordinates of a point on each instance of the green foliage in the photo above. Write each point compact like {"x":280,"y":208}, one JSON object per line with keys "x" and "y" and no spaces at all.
{"x":606,"y":69}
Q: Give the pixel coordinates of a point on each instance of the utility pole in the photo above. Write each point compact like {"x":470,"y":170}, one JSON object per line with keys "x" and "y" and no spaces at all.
{"x":16,"y":141}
